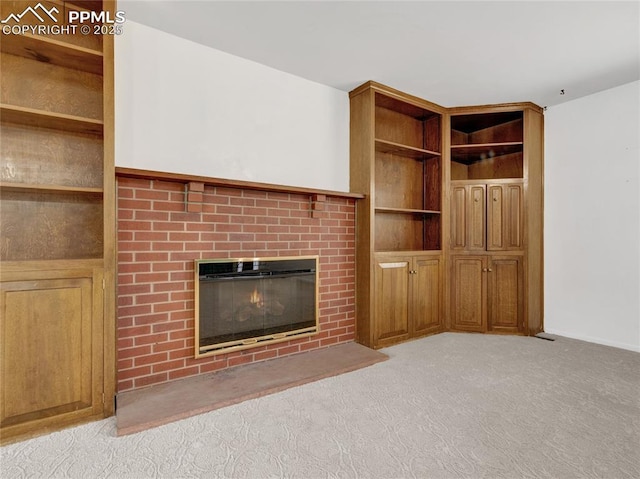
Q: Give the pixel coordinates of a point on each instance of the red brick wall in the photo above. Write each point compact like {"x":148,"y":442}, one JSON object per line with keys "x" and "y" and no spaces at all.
{"x":158,"y":241}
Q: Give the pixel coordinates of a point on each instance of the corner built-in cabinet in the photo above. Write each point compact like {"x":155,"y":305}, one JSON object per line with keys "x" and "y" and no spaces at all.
{"x":449,"y":234}
{"x":495,"y":236}
{"x":57,"y":223}
{"x":396,"y":161}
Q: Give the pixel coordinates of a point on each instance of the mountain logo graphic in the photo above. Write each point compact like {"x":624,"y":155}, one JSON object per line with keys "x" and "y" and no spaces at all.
{"x":34,"y":11}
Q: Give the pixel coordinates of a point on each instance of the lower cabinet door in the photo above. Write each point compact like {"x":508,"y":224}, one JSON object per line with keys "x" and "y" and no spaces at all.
{"x":468,"y":293}
{"x":506,"y":294}
{"x":391,"y":322}
{"x":426,"y":294}
{"x":51,"y":353}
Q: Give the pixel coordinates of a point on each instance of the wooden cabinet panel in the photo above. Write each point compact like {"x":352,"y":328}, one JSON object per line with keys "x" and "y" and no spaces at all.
{"x":398,"y":232}
{"x":487,"y":217}
{"x":408,"y":296}
{"x":458,"y":217}
{"x":495,"y":240}
{"x":399,"y":181}
{"x":50,"y":225}
{"x":391,"y":298}
{"x":51,"y":357}
{"x":476,"y":232}
{"x":468,"y":218}
{"x":403,"y":127}
{"x":425,"y":291}
{"x":42,"y":156}
{"x":50,"y":87}
{"x":468,"y":289}
{"x":505,"y":294}
{"x":487,"y":293}
{"x":513,"y":216}
{"x":504,"y":217}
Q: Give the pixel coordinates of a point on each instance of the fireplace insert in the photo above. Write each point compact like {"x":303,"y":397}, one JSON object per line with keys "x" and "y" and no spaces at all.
{"x":244,"y":303}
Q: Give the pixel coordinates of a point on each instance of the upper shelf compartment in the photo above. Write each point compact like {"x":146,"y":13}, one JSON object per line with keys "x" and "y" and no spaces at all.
{"x":487,"y":145}
{"x":54,"y":96}
{"x":405,"y":129}
{"x":489,"y":128}
{"x":49,"y":50}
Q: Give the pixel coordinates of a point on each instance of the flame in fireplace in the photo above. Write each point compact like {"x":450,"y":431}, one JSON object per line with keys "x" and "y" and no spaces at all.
{"x":256,"y":299}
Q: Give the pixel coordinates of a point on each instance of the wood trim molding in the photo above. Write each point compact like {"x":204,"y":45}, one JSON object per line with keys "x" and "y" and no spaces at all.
{"x":387,"y":90}
{"x":392,"y":92}
{"x":239,"y":184}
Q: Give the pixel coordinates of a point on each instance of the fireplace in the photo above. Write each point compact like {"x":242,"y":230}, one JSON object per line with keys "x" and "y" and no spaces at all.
{"x":245,"y":303}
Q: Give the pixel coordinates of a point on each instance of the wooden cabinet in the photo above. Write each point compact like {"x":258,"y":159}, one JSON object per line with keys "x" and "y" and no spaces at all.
{"x":57,"y":249}
{"x":495,"y":200}
{"x":504,"y":216}
{"x":392,"y":298}
{"x":469,"y":293}
{"x":468,"y":220}
{"x":486,"y":217}
{"x":487,"y":293}
{"x":52,"y":353}
{"x":407,"y":293}
{"x":426,"y":296}
{"x":396,"y":162}
{"x":454,"y":190}
{"x":505,"y":294}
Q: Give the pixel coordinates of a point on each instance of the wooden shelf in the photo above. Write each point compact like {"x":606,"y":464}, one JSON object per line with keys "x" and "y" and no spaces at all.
{"x":26,"y":187}
{"x":384,"y":146}
{"x":409,"y":211}
{"x":95,"y":5}
{"x":46,"y":119}
{"x":403,"y":106}
{"x":228,"y":183}
{"x":470,"y":153}
{"x":19,"y":270}
{"x":52,"y":51}
{"x":470,"y":123}
{"x":488,"y":181}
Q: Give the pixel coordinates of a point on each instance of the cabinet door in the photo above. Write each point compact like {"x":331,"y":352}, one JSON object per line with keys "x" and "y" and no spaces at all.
{"x":505,"y":294}
{"x":468,"y":218}
{"x":51,"y":356}
{"x":495,"y":218}
{"x":391,"y":322}
{"x":458,"y":218}
{"x":504,"y":217}
{"x":468,"y":290}
{"x":425,"y":294}
{"x":476,"y":218}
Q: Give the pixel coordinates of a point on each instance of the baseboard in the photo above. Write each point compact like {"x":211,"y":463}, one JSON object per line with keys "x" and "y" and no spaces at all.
{"x":589,"y":339}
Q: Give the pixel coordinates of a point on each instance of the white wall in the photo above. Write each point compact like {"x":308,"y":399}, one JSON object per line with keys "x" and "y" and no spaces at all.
{"x":592,"y":218}
{"x":185,"y":108}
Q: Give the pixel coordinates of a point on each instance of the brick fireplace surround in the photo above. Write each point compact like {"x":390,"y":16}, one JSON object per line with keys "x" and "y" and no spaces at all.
{"x":165,"y":224}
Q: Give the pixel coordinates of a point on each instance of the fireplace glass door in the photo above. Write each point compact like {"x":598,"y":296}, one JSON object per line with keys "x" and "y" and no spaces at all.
{"x":245,"y":303}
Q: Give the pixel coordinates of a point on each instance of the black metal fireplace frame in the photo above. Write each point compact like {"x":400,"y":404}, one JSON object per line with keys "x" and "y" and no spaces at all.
{"x":222,"y":269}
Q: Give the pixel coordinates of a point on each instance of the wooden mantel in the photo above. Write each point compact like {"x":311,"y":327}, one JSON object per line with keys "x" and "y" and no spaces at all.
{"x":246,"y":185}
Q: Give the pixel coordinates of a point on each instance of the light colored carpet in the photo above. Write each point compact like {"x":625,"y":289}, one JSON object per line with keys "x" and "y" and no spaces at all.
{"x":446,"y":406}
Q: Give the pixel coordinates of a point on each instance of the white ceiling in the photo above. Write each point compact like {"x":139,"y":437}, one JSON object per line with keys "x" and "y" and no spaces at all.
{"x":451,"y":53}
